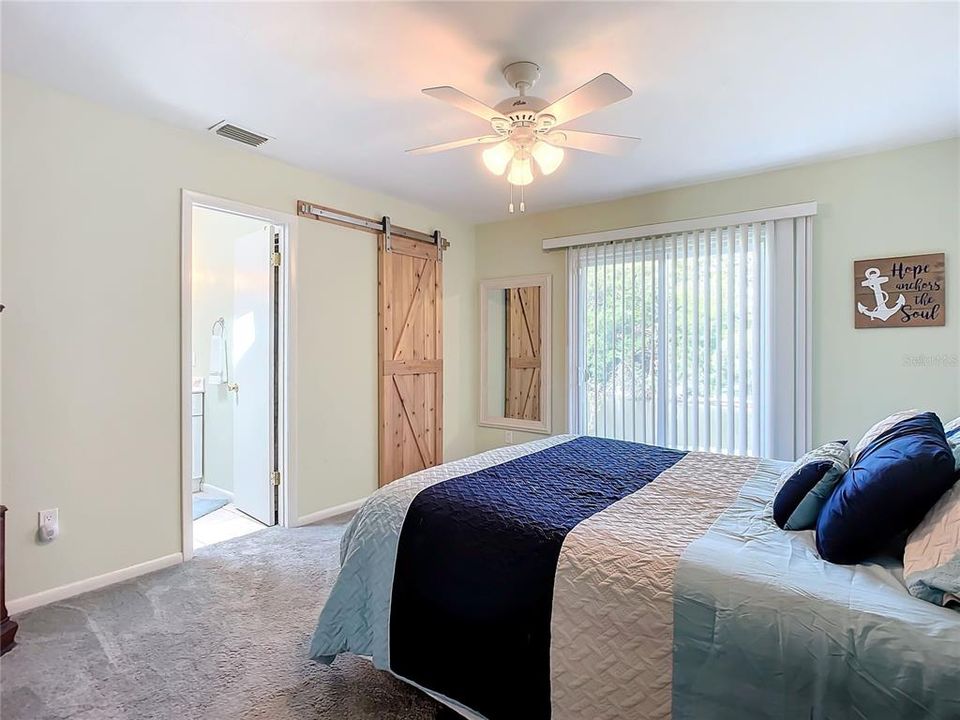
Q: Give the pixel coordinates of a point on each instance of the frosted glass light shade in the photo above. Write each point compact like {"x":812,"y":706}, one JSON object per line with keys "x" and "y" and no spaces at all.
{"x":521,"y":173}
{"x":497,"y":158}
{"x":548,"y":156}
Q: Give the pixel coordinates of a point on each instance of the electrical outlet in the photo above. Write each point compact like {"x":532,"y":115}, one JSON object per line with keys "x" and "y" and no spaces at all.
{"x":48,"y":522}
{"x":508,"y":437}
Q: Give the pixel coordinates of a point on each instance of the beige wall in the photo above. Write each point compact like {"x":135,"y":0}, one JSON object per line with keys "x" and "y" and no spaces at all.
{"x":91,"y":346}
{"x":892,"y":203}
{"x":90,"y":277}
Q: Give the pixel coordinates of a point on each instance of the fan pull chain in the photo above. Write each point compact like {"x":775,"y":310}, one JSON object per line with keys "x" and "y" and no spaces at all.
{"x":510,"y":207}
{"x":523,"y":207}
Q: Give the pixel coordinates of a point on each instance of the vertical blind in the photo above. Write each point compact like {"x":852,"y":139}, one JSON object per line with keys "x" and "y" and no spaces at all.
{"x":670,"y":338}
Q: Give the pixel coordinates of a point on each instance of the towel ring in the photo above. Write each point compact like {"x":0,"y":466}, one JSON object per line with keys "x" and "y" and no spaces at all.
{"x":213,"y":330}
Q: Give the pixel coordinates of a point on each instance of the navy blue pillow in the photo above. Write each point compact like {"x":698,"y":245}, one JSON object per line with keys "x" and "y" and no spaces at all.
{"x":895,"y":480}
{"x":806,"y":486}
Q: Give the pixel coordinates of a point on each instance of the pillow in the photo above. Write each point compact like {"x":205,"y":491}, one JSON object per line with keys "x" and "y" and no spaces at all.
{"x":952,"y":431}
{"x":893,"y":483}
{"x":880,"y":428}
{"x":807,"y":484}
{"x":931,"y":561}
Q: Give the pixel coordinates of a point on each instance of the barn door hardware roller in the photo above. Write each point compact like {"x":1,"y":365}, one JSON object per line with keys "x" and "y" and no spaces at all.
{"x":380,"y":227}
{"x":387,"y":234}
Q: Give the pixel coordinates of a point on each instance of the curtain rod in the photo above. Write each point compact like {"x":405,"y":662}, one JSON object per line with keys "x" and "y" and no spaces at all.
{"x":780,"y":212}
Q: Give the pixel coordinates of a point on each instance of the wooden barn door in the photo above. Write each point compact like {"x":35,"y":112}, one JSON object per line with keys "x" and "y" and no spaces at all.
{"x":411,"y":357}
{"x":522,"y":400}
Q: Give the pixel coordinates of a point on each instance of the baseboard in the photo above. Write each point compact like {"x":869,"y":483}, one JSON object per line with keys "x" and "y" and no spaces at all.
{"x":218,"y":491}
{"x":330,"y":512}
{"x":45,"y":597}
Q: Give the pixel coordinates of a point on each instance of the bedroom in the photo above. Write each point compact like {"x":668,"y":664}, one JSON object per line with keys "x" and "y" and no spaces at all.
{"x":696,"y":292}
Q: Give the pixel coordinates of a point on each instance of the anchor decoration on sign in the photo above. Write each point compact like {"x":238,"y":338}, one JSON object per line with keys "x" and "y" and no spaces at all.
{"x":882,"y":311}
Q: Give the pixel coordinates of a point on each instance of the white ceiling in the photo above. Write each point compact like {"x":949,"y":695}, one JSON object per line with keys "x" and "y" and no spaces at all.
{"x":719,"y":89}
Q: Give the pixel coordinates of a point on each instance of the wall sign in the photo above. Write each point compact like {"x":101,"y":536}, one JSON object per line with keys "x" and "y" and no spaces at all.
{"x":904,"y":291}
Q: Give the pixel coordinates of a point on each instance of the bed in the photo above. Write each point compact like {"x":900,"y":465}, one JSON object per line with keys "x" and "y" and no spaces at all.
{"x":575,"y":577}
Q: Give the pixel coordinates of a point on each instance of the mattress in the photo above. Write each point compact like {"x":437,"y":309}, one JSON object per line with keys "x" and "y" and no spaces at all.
{"x":576,"y":577}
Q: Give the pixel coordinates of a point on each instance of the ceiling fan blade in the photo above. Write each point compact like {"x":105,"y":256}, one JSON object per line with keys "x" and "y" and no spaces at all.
{"x":603,"y":90}
{"x":452,"y":96}
{"x":594,"y":142}
{"x":454,"y":144}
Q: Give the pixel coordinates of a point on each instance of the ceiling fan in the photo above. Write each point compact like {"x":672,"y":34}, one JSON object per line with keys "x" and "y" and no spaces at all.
{"x":526,"y":129}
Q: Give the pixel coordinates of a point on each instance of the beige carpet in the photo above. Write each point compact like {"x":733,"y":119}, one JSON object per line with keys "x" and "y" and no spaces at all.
{"x":224,"y":636}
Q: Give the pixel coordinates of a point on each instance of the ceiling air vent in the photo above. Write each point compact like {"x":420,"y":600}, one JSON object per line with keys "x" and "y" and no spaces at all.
{"x":227,"y":130}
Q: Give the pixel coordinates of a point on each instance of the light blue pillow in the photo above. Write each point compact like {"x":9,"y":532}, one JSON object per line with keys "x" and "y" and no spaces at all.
{"x":952,"y":431}
{"x":806,"y":485}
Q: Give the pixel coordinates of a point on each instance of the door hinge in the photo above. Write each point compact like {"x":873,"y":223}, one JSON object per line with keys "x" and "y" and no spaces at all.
{"x":275,"y":259}
{"x":275,"y":478}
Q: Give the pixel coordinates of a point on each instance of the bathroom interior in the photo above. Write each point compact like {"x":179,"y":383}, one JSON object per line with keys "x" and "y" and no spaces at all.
{"x":230,"y":361}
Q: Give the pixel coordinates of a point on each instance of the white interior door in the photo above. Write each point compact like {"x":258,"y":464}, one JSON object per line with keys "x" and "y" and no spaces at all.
{"x":252,"y":356}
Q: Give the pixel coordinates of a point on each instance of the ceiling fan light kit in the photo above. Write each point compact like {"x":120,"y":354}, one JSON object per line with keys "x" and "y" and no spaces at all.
{"x":524,"y":126}
{"x":521,"y":171}
{"x":497,"y":158}
{"x":548,"y":156}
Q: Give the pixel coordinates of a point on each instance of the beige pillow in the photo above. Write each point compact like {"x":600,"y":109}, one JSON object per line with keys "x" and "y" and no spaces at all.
{"x":931,"y":560}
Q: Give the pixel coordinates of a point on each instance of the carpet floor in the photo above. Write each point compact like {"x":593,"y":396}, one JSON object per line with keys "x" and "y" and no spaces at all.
{"x":223,"y":636}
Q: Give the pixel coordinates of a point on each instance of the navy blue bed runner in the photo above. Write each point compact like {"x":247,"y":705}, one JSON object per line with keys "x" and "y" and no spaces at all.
{"x":473,"y":582}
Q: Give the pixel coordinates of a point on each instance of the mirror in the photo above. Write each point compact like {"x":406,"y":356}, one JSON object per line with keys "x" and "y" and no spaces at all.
{"x":515,"y":353}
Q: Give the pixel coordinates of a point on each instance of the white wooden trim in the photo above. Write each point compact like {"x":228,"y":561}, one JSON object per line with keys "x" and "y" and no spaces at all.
{"x":288,"y":419}
{"x":186,"y":374}
{"x":288,"y":222}
{"x":61,"y":592}
{"x":218,"y":491}
{"x":331,"y":512}
{"x":545,"y":282}
{"x":781,"y":212}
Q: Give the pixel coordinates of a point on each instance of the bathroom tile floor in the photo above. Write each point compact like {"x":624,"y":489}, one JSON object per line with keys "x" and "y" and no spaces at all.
{"x":223,"y":524}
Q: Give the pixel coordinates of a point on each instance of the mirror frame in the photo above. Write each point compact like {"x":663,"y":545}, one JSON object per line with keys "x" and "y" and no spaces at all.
{"x":545,"y":283}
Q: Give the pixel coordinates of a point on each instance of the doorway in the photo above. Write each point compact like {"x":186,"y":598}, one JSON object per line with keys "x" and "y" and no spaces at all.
{"x":235,"y":340}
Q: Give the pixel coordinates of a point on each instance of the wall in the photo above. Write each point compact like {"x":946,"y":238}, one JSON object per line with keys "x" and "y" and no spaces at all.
{"x":892,"y":203}
{"x":91,"y":347}
{"x":331,"y":416}
{"x":214,"y":235}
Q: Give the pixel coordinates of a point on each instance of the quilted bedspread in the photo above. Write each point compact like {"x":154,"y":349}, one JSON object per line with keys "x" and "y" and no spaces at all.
{"x":579,"y":578}
{"x":606,"y":649}
{"x":763,"y":628}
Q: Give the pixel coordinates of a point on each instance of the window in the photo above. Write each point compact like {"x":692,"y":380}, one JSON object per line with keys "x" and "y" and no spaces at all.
{"x":694,"y":339}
